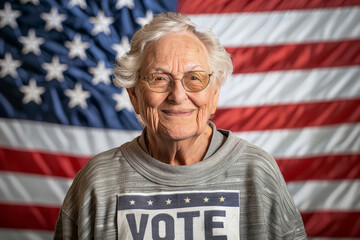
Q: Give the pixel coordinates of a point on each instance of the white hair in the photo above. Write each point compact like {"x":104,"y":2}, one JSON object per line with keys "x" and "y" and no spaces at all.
{"x":127,"y":67}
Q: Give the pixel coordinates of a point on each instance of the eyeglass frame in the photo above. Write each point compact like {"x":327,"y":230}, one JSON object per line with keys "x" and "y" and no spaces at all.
{"x":145,"y":78}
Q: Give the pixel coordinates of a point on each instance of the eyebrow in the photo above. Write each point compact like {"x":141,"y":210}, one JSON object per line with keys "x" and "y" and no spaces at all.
{"x":160,"y":69}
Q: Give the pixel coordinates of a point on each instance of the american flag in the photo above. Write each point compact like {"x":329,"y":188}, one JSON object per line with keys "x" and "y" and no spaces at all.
{"x":295,"y":92}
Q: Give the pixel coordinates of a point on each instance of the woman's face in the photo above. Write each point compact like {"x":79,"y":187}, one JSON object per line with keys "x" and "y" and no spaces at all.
{"x":177,"y":114}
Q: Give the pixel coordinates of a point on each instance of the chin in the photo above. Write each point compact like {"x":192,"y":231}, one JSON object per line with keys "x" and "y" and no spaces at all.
{"x":179,"y":133}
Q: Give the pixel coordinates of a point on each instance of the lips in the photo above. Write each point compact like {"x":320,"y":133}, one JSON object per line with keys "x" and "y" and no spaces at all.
{"x":178,"y":112}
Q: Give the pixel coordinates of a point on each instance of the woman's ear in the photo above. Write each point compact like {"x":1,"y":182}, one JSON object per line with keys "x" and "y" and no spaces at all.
{"x":215,"y":100}
{"x":133,"y":99}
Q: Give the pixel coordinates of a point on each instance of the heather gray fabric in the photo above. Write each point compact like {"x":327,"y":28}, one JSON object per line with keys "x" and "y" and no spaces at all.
{"x":267,"y":210}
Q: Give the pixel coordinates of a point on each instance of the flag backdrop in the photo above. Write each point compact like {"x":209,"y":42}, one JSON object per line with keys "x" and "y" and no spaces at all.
{"x":295,"y":92}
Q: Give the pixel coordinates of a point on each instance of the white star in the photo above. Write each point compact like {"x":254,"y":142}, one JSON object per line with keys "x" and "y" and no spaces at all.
{"x":125,"y":3}
{"x":77,"y":96}
{"x":80,"y":3}
{"x":54,"y":69}
{"x":122,"y":101}
{"x":187,"y":200}
{"x":222,"y":199}
{"x":150,"y":202}
{"x":31,"y":43}
{"x":9,"y":66}
{"x":101,"y":23}
{"x":132,"y":202}
{"x":121,"y":48}
{"x":144,"y":20}
{"x":35,"y":2}
{"x":53,"y":20}
{"x":168,"y":202}
{"x":206,"y":199}
{"x":101,"y":73}
{"x":8,"y":16}
{"x":77,"y":47}
{"x":32,"y":92}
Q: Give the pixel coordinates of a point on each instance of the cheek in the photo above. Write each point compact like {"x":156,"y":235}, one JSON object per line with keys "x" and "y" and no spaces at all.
{"x":148,"y":108}
{"x":207,"y":104}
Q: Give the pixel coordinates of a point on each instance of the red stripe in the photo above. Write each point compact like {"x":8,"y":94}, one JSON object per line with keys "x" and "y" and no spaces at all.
{"x":230,"y":6}
{"x":28,"y":217}
{"x":288,"y":116}
{"x":331,"y":167}
{"x":332,"y":224}
{"x":295,"y":56}
{"x":40,"y":163}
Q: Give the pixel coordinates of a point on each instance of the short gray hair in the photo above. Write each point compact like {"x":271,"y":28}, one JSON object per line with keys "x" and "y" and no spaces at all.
{"x":127,"y":67}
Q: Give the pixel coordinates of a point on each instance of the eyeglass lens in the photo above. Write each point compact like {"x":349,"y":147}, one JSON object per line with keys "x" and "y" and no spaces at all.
{"x":192,"y":81}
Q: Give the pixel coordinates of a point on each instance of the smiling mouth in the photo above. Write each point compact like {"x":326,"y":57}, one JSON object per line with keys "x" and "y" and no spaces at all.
{"x":180,"y":113}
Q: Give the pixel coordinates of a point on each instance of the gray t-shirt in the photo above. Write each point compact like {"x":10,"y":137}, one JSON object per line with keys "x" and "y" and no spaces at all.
{"x":235,"y":192}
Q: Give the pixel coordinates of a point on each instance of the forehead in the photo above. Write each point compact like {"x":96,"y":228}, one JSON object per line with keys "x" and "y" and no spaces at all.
{"x":181,"y":48}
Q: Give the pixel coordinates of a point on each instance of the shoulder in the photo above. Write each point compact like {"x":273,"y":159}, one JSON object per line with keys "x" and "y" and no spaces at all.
{"x":97,"y":168}
{"x":101,"y":163}
{"x":261,"y":159}
{"x":264,"y":178}
{"x":98,"y":175}
{"x":257,"y":167}
{"x":252,"y":156}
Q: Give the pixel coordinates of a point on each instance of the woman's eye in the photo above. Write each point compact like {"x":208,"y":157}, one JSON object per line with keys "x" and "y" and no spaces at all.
{"x":194,"y":78}
{"x":160,"y":77}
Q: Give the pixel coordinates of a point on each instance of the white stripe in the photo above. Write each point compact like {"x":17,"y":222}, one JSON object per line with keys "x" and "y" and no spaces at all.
{"x":18,"y":234}
{"x":282,"y":87}
{"x":280,"y":27}
{"x":58,"y":138}
{"x":283,"y":143}
{"x":311,"y":196}
{"x":22,"y":134}
{"x":32,"y":189}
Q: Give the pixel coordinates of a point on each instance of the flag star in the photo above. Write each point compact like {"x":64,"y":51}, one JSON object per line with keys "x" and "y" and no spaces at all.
{"x":8,"y":16}
{"x":144,"y":20}
{"x":122,"y":101}
{"x":132,"y":202}
{"x":206,"y":199}
{"x":101,"y":23}
{"x":54,"y":69}
{"x":187,"y":200}
{"x":150,"y":202}
{"x":121,"y":48}
{"x":32,"y":92}
{"x":77,"y":96}
{"x":222,"y":199}
{"x":101,"y":73}
{"x":8,"y":66}
{"x":35,"y":2}
{"x":168,"y":202}
{"x":81,"y":3}
{"x":31,"y":43}
{"x":125,"y":3}
{"x":77,"y":47}
{"x":53,"y":20}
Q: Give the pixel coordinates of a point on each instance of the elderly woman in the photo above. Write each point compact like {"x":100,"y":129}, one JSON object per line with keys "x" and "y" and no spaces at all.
{"x":182,"y":178}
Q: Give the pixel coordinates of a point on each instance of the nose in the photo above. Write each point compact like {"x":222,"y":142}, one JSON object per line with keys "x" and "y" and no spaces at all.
{"x":177,"y":92}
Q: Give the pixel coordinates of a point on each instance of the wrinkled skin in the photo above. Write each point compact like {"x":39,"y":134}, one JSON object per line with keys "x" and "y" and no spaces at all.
{"x":176,"y":121}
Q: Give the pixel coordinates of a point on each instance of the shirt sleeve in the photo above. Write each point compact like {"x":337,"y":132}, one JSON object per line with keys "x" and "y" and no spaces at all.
{"x":65,"y":228}
{"x":282,"y":217}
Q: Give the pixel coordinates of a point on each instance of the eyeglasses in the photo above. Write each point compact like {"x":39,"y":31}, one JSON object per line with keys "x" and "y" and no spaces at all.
{"x":194,"y":81}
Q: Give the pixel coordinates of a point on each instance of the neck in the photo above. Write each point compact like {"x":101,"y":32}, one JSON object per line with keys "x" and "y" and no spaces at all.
{"x":179,"y":152}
